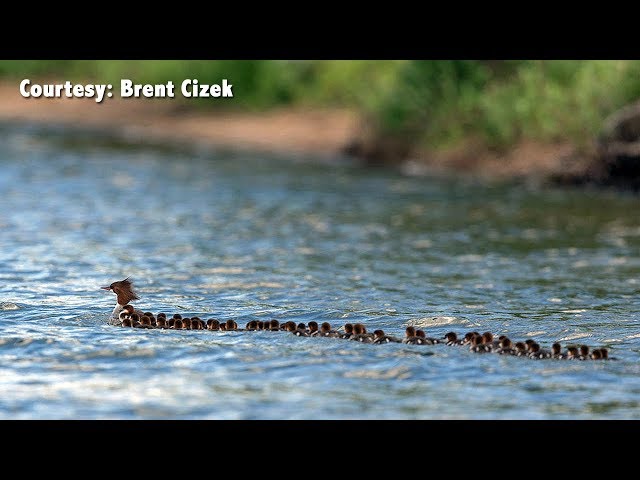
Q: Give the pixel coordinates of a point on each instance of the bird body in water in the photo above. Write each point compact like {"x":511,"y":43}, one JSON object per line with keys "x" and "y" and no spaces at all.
{"x":124,"y":295}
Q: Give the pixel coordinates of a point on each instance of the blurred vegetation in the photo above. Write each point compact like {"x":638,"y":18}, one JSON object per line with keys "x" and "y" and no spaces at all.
{"x":434,"y":103}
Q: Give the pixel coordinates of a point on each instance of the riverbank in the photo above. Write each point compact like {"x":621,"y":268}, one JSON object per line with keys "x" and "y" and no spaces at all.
{"x":326,"y":133}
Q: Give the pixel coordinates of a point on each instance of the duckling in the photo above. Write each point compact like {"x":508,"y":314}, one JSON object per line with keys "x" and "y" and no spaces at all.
{"x":274,"y":325}
{"x":521,"y":349}
{"x":411,"y":338}
{"x":468,"y":337}
{"x":527,"y":343}
{"x":495,"y":344}
{"x":296,"y":330}
{"x":348,"y":331}
{"x":536,"y":352}
{"x":556,"y":351}
{"x":251,"y":325}
{"x":584,"y":352}
{"x":596,"y":354}
{"x":360,"y":334}
{"x":426,"y":340}
{"x":213,"y":324}
{"x":505,"y":347}
{"x":452,"y":339}
{"x":572,"y":353}
{"x":327,"y":331}
{"x":605,"y":354}
{"x":313,"y":329}
{"x":478,"y":345}
{"x":487,"y":340}
{"x":380,"y":337}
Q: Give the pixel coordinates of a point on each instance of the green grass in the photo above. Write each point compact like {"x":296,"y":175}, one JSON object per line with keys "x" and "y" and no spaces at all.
{"x":426,"y":103}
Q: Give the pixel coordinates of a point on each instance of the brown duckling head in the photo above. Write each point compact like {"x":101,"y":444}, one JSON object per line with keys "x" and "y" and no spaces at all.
{"x":291,"y":326}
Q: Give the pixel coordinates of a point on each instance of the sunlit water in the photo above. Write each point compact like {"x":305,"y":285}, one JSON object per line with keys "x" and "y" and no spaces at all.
{"x":250,"y":237}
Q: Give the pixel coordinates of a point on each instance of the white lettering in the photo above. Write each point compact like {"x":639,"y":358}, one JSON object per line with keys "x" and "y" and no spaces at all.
{"x":23,"y":89}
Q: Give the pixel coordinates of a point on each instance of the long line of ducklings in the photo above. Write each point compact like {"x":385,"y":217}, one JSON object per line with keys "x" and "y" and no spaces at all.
{"x":479,"y":343}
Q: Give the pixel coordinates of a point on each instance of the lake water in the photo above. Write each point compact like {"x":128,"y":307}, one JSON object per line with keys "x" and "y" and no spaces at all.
{"x":241,"y":236}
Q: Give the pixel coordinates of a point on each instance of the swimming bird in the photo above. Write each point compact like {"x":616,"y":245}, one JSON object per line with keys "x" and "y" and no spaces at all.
{"x":536,"y":352}
{"x":426,"y":340}
{"x":478,"y":345}
{"x":251,"y":325}
{"x":452,"y":339}
{"x":411,"y":338}
{"x":313,"y":329}
{"x":327,"y":331}
{"x":348,"y":331}
{"x":124,"y":295}
{"x":556,"y":351}
{"x":505,"y":347}
{"x":584,"y":352}
{"x":380,"y":337}
{"x":360,"y":334}
{"x":296,"y":330}
{"x":572,"y":353}
{"x":521,"y":349}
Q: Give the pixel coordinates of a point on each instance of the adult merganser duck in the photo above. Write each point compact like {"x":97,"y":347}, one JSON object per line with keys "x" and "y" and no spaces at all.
{"x":124,"y":295}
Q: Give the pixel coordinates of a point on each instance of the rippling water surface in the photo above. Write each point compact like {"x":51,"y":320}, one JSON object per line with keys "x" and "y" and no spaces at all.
{"x":253,"y":237}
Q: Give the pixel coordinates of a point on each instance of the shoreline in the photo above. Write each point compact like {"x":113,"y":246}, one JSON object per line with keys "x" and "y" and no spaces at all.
{"x":321,"y":133}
